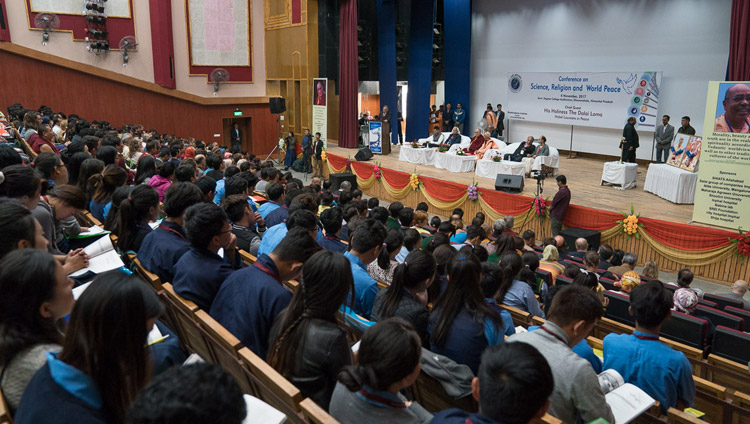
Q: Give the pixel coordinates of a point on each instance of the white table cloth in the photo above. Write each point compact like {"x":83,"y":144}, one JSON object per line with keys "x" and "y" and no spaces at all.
{"x":489,"y":169}
{"x":421,"y":156}
{"x":455,"y":163}
{"x":671,"y":183}
{"x":622,"y":174}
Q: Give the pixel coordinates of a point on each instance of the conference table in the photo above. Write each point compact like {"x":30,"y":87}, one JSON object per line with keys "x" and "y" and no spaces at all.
{"x":419,"y":156}
{"x":490,"y":169}
{"x":623,"y":175}
{"x":671,"y":183}
{"x":455,"y":163}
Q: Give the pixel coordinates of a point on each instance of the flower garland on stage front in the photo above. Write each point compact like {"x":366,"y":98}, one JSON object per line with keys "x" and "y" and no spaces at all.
{"x":376,"y":171}
{"x":414,"y":180}
{"x":540,"y":205}
{"x":472,"y":191}
{"x":630,"y":223}
{"x":743,"y":244}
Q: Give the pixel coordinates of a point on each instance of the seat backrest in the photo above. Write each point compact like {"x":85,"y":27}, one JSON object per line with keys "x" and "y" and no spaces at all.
{"x":739,"y":312}
{"x":190,"y":332}
{"x":274,"y":389}
{"x":718,"y":317}
{"x":731,"y":344}
{"x":675,"y":416}
{"x":562,"y":280}
{"x":520,"y":317}
{"x":608,"y":284}
{"x":708,"y":303}
{"x":150,"y":278}
{"x":723,"y":301}
{"x":619,"y":308}
{"x":246,"y":258}
{"x":432,"y":396}
{"x":314,"y":414}
{"x":686,"y":329}
{"x":542,"y":277}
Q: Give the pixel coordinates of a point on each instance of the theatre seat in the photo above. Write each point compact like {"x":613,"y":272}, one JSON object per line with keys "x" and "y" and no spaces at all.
{"x":739,"y":312}
{"x":562,"y":280}
{"x":731,"y":344}
{"x":618,"y":308}
{"x":708,"y":303}
{"x":723,"y":301}
{"x":686,"y":329}
{"x":607,"y":283}
{"x":543,"y":276}
{"x":718,"y":317}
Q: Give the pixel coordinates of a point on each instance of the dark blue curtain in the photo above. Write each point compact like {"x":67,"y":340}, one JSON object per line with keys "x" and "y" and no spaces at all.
{"x":387,"y":60}
{"x":420,"y":68}
{"x":457,"y":56}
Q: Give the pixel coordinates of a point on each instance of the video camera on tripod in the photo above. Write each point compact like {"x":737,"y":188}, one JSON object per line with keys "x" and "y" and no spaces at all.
{"x":539,"y":176}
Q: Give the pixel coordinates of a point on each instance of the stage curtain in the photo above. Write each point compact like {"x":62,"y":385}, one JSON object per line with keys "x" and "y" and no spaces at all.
{"x":395,"y":179}
{"x":457,"y":55}
{"x":443,"y":191}
{"x":386,"y":27}
{"x":590,"y":219}
{"x":162,"y":44}
{"x":348,"y":74}
{"x":681,"y":256}
{"x":443,"y":204}
{"x":505,"y":203}
{"x":396,"y":193}
{"x":420,"y":67}
{"x":739,"y":42}
{"x":336,"y":163}
{"x":365,"y":175}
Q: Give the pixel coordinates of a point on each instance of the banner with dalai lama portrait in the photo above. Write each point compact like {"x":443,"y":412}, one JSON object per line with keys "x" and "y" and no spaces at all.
{"x":320,"y":108}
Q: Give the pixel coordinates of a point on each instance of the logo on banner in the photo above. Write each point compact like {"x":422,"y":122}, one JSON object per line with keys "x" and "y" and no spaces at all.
{"x":628,"y":84}
{"x":515,"y":83}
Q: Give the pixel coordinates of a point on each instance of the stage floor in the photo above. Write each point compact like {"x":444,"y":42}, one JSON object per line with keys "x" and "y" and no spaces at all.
{"x":584,"y":177}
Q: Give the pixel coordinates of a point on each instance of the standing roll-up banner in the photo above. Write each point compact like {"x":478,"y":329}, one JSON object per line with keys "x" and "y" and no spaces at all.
{"x":320,"y":108}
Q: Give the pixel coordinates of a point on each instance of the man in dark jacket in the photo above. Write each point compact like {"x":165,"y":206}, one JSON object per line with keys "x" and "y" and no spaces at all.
{"x":524,"y":150}
{"x":317,"y":148}
{"x":629,"y":141}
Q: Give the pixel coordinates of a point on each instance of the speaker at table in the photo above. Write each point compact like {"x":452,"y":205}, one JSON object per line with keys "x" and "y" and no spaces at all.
{"x":509,"y":183}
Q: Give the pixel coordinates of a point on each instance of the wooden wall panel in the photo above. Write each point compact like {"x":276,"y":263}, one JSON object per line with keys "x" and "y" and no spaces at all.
{"x":33,"y":82}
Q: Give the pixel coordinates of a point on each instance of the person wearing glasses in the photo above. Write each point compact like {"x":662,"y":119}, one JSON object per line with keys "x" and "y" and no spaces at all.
{"x":736,"y":110}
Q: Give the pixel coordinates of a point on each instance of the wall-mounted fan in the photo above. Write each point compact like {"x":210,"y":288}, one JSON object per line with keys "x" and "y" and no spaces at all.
{"x":127,"y":44}
{"x":482,"y":124}
{"x":218,"y":76}
{"x":46,"y":22}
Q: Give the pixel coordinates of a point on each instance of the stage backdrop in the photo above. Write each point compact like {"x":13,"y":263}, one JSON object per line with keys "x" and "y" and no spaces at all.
{"x":722,"y":196}
{"x":593,"y":99}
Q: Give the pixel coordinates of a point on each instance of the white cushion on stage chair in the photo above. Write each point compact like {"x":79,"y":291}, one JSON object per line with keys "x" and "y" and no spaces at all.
{"x":553,"y":160}
{"x":491,"y":153}
{"x":454,"y":147}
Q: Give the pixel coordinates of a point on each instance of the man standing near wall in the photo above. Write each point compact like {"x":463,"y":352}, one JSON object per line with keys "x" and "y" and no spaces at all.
{"x":559,"y":207}
{"x":663,"y":136}
{"x":500,"y":120}
{"x":686,"y":128}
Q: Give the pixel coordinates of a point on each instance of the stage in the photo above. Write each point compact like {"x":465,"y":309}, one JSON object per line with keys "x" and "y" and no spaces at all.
{"x":666,"y":237}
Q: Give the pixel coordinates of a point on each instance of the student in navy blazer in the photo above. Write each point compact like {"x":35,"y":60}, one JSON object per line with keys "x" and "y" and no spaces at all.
{"x":200,"y":272}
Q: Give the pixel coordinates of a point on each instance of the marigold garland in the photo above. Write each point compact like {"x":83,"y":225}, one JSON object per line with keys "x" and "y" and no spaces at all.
{"x":630,"y":223}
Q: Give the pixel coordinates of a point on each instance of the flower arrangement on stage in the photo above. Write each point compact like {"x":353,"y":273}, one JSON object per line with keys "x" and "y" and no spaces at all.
{"x":442,"y":149}
{"x":414,"y":180}
{"x":497,"y":158}
{"x":630,"y":223}
{"x":743,"y":244}
{"x":540,"y":205}
{"x":472,"y":191}
{"x":459,"y":152}
{"x":348,"y":164}
{"x":376,"y":171}
{"x":414,"y":144}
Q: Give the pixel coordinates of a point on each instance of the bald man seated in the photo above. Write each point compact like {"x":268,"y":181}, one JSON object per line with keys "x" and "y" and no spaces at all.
{"x":582,"y":245}
{"x":739,"y":288}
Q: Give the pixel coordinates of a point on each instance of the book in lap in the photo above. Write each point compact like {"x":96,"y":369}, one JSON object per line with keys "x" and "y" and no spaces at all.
{"x":102,"y":258}
{"x":626,"y":400}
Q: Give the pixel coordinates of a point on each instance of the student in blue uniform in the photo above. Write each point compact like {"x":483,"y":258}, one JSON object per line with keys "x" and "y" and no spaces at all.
{"x":200,"y":272}
{"x":366,"y":243}
{"x":251,"y":298}
{"x":331,"y":220}
{"x":104,"y":185}
{"x":276,"y":232}
{"x":103,"y":363}
{"x":662,"y":372}
{"x":275,"y":194}
{"x":133,"y":217}
{"x":281,"y":214}
{"x":163,"y":247}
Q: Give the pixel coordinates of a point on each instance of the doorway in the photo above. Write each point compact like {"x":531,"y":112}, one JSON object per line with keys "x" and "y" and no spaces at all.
{"x":245,"y":125}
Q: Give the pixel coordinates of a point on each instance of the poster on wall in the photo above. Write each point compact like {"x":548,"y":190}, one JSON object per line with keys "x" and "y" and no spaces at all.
{"x":320,"y":108}
{"x":591,"y":99}
{"x":113,"y":8}
{"x":375,"y":134}
{"x":722,"y":195}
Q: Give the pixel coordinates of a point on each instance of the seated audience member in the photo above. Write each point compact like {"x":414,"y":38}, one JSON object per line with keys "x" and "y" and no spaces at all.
{"x":665,"y":374}
{"x":492,"y":277}
{"x":528,"y":237}
{"x":420,"y":223}
{"x":112,"y":222}
{"x":513,"y":385}
{"x":388,"y":361}
{"x":459,"y":236}
{"x":44,"y":142}
{"x":462,"y":324}
{"x":163,"y":247}
{"x":550,"y":263}
{"x":739,"y":288}
{"x":326,"y":201}
{"x":605,"y":253}
{"x":133,"y":217}
{"x":487,"y":144}
{"x":524,"y":150}
{"x":572,"y":315}
{"x":200,"y":271}
{"x":629,"y":281}
{"x":251,"y":298}
{"x":686,"y":301}
{"x":478,"y":251}
{"x":382,"y":269}
{"x":23,"y":184}
{"x":685,"y":278}
{"x":365,"y":245}
{"x":344,"y":187}
{"x":372,"y":203}
{"x":65,"y":201}
{"x":444,"y":255}
{"x":275,"y":194}
{"x":146,"y":170}
{"x":406,"y":218}
{"x":515,"y":293}
{"x":651,"y":270}
{"x":243,"y":223}
{"x":582,"y":245}
{"x":207,"y":185}
{"x":628,"y":264}
{"x":510,"y":221}
{"x":273,"y":235}
{"x":97,"y":374}
{"x":104,"y":186}
{"x":436,"y":138}
{"x":528,"y":273}
{"x":474,"y":236}
{"x":407,"y":295}
{"x":51,"y":168}
{"x":331,"y":219}
{"x":163,"y":179}
{"x":37,"y":294}
{"x":185,"y":173}
{"x":308,"y":346}
{"x":279,"y":215}
{"x":213,"y":397}
{"x":572,"y":271}
{"x":215,"y":167}
{"x":412,"y":240}
{"x":394,"y":209}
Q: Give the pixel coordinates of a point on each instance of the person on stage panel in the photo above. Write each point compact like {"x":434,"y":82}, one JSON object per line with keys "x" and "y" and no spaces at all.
{"x":476,"y":142}
{"x":663,"y":136}
{"x":736,"y":110}
{"x":236,"y":138}
{"x":630,"y":141}
{"x":455,"y":137}
{"x":459,"y":116}
{"x":524,"y":150}
{"x":385,"y":118}
{"x":559,"y":207}
{"x":487,"y":145}
{"x":448,"y":118}
{"x":436,"y":138}
{"x":686,"y":128}
{"x":489,"y":115}
{"x":500,"y":126}
{"x":542,"y":149}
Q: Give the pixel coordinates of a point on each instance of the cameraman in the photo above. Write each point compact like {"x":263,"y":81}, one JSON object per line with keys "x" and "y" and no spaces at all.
{"x":559,"y":206}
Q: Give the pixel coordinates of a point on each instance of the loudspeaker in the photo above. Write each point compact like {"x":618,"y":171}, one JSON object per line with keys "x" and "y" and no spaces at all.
{"x":337,"y":179}
{"x":509,"y":183}
{"x":277,"y":104}
{"x":571,"y":234}
{"x":363,"y":154}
